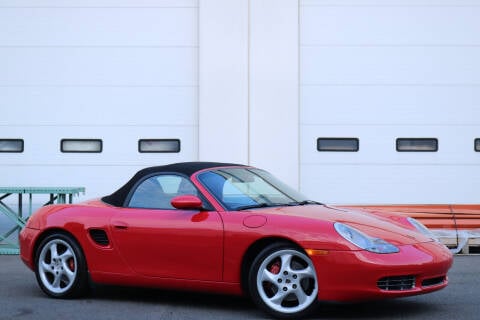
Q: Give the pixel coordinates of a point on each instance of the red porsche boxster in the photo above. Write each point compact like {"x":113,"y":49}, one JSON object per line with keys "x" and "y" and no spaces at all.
{"x":232,"y":229}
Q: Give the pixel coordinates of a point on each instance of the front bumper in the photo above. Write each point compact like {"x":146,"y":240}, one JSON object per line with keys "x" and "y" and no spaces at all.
{"x":26,"y":240}
{"x":355,"y":275}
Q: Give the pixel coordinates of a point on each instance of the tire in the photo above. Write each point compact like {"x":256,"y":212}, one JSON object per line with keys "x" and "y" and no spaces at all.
{"x":283,"y":282}
{"x":60,"y":267}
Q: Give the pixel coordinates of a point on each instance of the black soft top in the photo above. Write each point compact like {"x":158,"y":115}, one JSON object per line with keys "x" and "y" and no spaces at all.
{"x":185,"y":168}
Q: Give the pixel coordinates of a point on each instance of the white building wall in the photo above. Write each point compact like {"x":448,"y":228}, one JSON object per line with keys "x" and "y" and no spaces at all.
{"x":247,"y":81}
{"x":381,"y":70}
{"x":224,"y":79}
{"x":249,"y":84}
{"x":274,"y":83}
{"x":119,"y":71}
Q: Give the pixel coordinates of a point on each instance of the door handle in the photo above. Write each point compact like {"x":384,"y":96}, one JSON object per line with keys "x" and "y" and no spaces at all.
{"x":120,"y":225}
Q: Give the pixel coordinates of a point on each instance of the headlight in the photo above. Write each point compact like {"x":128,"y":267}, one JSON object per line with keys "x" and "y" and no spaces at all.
{"x":421,"y":228}
{"x":363,"y":241}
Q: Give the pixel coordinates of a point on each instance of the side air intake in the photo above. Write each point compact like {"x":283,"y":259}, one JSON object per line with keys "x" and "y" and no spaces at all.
{"x":99,"y":236}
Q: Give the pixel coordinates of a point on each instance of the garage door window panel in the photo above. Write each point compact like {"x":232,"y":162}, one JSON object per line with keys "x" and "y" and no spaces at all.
{"x":159,"y":145}
{"x":81,"y":145}
{"x":417,"y":145}
{"x":338,"y":144}
{"x":11,"y":145}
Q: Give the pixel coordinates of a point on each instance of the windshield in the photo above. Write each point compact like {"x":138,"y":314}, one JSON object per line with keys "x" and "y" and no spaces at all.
{"x":241,"y":188}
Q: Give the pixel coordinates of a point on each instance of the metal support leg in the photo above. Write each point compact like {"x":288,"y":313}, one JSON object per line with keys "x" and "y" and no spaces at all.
{"x":20,"y":204}
{"x":30,"y":205}
{"x":61,"y":198}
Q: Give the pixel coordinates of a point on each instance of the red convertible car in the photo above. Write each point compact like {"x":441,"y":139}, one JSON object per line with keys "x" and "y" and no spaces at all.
{"x":232,"y":229}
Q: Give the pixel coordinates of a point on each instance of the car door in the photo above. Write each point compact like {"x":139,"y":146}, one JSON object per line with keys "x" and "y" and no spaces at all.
{"x":158,"y":240}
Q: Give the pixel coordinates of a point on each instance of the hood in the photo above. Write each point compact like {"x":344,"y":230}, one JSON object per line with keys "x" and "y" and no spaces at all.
{"x":372,"y":225}
{"x":39,"y":218}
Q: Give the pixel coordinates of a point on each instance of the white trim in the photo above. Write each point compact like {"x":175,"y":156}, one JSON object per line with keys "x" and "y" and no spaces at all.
{"x":274,"y":83}
{"x":223,"y":79}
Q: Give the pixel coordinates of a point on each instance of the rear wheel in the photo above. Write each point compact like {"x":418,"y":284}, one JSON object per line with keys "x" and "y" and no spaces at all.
{"x":60,"y":267}
{"x":283,"y":281}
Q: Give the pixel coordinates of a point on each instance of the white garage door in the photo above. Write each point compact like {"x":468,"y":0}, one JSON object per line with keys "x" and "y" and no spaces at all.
{"x":378,"y":71}
{"x":103,"y":74}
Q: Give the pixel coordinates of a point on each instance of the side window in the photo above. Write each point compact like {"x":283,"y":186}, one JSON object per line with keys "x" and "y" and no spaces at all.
{"x":156,"y":192}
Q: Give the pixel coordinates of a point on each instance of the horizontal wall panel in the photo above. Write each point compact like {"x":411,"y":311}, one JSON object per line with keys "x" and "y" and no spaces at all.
{"x":395,"y":105}
{"x":120,"y":145}
{"x":390,"y":25}
{"x":95,"y":26}
{"x":98,"y":66}
{"x":377,"y":144}
{"x":402,"y":184}
{"x":387,"y":3}
{"x":390,"y":65}
{"x":98,"y":106}
{"x":98,"y":3}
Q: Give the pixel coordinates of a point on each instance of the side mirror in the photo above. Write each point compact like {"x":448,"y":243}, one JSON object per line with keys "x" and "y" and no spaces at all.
{"x":187,"y":202}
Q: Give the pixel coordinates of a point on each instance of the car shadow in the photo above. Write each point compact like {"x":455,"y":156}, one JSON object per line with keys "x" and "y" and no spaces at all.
{"x":170,"y":297}
{"x":387,"y":309}
{"x":383,"y":309}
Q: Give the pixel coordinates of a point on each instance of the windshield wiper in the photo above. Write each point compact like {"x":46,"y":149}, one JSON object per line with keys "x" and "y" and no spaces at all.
{"x":304,"y":202}
{"x":256,"y":205}
{"x":265,"y":205}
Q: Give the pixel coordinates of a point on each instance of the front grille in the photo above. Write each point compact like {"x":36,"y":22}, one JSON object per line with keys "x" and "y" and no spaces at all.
{"x":99,"y":236}
{"x":398,"y":283}
{"x":433,"y":281}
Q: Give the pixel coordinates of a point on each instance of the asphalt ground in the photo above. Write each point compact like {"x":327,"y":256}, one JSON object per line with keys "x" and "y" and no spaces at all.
{"x":21,"y":298}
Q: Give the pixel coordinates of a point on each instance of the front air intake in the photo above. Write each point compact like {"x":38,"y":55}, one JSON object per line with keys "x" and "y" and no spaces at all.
{"x":99,"y":236}
{"x":433,"y":281}
{"x":398,"y":283}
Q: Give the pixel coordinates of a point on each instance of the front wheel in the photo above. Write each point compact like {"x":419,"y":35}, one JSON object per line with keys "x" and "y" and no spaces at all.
{"x":283,"y":282}
{"x":60,"y":267}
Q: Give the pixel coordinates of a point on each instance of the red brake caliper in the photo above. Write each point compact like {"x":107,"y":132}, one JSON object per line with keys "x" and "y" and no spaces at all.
{"x":275,"y":268}
{"x":71,"y":264}
{"x":269,"y":287}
